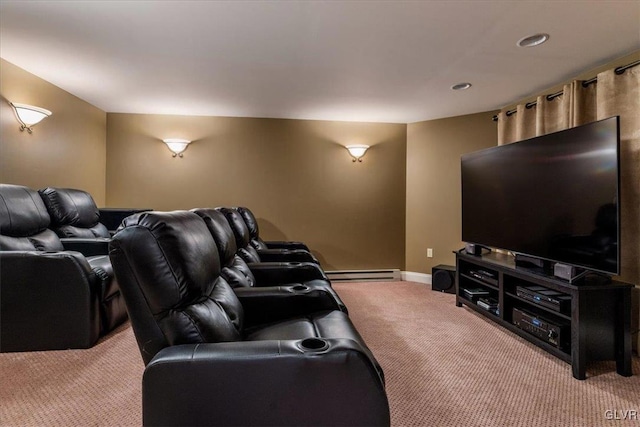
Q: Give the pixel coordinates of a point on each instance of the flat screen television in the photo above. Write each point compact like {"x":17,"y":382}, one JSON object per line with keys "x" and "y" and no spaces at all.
{"x":553,"y":197}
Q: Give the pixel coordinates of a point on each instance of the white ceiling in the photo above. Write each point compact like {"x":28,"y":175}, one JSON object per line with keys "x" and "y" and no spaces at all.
{"x":380,"y":61}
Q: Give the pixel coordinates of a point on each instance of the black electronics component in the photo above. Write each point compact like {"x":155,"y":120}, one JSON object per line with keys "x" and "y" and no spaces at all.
{"x":485,"y":276}
{"x":489,"y":304}
{"x":548,"y":331}
{"x":474,"y":293}
{"x":443,"y":278}
{"x":568,"y":272}
{"x":477,"y":250}
{"x":548,"y":298}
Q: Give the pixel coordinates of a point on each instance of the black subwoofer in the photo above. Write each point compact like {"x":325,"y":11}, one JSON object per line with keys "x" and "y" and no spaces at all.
{"x":443,"y":278}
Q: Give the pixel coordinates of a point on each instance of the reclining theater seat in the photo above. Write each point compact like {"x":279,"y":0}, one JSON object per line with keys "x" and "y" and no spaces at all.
{"x":239,"y":275}
{"x":249,"y":253}
{"x":301,"y":265}
{"x":254,"y":232}
{"x":73,"y":213}
{"x":75,"y":219}
{"x":50,"y":298}
{"x":211,"y":361}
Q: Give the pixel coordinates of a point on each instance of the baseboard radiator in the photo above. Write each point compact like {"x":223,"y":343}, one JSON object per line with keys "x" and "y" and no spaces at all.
{"x":392,"y":275}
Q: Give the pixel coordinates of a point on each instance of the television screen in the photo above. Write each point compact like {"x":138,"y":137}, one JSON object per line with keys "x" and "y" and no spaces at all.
{"x":553,"y":197}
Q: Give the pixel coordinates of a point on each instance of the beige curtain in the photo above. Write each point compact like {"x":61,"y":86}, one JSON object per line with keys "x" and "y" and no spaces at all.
{"x":575,"y":106}
{"x":613,"y":94}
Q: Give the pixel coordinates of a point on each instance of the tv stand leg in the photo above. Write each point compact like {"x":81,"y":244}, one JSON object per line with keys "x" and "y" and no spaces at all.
{"x":623,"y":334}
{"x":578,"y":340}
{"x":579,"y":372}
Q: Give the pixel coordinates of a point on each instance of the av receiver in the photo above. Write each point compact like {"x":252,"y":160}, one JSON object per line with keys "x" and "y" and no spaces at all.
{"x":553,"y":333}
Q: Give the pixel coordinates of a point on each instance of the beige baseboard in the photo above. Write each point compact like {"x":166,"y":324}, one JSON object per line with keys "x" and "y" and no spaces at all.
{"x":410,"y":276}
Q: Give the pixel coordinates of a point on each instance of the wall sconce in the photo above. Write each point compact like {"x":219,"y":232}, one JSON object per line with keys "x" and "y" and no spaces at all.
{"x":176,"y":145}
{"x":357,"y":151}
{"x":28,"y":115}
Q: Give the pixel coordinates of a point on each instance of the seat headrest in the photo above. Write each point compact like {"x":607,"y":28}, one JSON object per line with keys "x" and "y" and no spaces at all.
{"x":250,"y":221}
{"x":180,"y":257}
{"x":69,"y":206}
{"x":221,"y":231}
{"x":237,"y":224}
{"x":22,"y":212}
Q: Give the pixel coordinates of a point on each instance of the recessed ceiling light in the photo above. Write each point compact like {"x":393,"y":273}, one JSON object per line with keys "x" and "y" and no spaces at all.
{"x":534,"y":40}
{"x":461,"y":86}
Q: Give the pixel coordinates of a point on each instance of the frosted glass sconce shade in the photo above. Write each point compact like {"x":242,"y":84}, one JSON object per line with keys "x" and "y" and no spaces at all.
{"x":176,"y":145}
{"x":28,"y":115}
{"x":357,"y":151}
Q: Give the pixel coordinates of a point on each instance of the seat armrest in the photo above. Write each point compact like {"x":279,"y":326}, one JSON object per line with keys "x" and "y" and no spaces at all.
{"x":276,"y":273}
{"x":277,"y":244}
{"x":49,"y":301}
{"x":275,"y":303}
{"x":87,"y":246}
{"x":200,"y":384}
{"x":283,"y":255}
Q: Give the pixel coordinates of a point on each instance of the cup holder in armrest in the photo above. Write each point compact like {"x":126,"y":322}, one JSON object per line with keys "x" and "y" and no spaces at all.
{"x":313,"y":344}
{"x":300,"y":288}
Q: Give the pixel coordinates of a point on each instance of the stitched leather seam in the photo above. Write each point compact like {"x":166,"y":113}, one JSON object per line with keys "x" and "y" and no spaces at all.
{"x":194,"y":324}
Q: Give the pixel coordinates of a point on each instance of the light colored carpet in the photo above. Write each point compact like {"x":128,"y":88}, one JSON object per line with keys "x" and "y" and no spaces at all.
{"x":448,"y":366}
{"x":100,"y":386}
{"x":445,"y":366}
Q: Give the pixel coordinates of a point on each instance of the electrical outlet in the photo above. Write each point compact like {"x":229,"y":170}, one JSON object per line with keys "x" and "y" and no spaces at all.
{"x":429,"y":253}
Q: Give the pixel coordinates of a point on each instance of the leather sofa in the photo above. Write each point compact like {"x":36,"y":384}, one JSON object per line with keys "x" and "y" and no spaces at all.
{"x":242,"y":277}
{"x":216,"y":358}
{"x":50,"y":298}
{"x":249,"y":253}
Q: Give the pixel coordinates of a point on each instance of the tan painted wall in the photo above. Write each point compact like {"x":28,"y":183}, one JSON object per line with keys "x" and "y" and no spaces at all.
{"x":433,"y":184}
{"x":294,"y":174}
{"x":67,"y":149}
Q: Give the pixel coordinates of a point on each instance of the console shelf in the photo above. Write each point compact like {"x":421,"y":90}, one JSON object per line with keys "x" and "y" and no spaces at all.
{"x":592,"y":323}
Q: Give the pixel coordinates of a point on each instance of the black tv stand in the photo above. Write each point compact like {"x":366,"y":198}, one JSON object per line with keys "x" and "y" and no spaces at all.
{"x":592,"y":320}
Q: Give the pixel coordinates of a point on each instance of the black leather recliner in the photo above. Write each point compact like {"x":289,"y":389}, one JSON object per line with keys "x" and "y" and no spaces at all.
{"x":75,"y":219}
{"x":249,"y":253}
{"x":73,"y":213}
{"x":214,"y":359}
{"x":50,"y":298}
{"x":254,"y":232}
{"x":240,"y":275}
